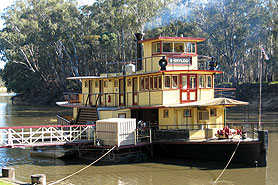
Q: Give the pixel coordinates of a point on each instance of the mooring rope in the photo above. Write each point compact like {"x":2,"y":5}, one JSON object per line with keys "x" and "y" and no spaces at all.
{"x":83,"y":168}
{"x":227,"y":163}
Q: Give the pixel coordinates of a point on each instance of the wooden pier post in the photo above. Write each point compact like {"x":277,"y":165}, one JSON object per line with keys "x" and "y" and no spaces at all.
{"x":39,"y":179}
{"x":8,"y":173}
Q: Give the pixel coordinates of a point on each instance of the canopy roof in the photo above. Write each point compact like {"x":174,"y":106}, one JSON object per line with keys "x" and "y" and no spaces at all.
{"x":212,"y":102}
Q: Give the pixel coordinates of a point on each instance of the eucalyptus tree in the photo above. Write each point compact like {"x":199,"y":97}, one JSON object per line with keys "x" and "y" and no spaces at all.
{"x":40,"y":37}
{"x":234,"y":29}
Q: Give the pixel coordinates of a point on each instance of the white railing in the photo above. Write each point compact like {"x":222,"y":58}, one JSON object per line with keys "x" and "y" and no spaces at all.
{"x":44,"y":135}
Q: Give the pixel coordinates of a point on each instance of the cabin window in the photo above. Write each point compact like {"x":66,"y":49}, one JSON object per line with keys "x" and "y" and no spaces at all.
{"x":151,"y":82}
{"x":193,"y":47}
{"x":129,"y":82}
{"x":175,"y":81}
{"x":96,"y":83}
{"x":166,"y":113}
{"x":156,"y":47}
{"x":209,"y":81}
{"x":213,"y":112}
{"x":201,"y":81}
{"x":167,"y":47}
{"x":155,"y":82}
{"x":192,"y":82}
{"x":186,"y":113}
{"x":159,"y":82}
{"x":105,"y":83}
{"x":86,"y":83}
{"x":184,"y":82}
{"x":146,"y":83}
{"x":116,"y":83}
{"x":179,"y":47}
{"x":167,"y":81}
{"x":122,"y":115}
{"x":190,"y":47}
{"x":141,"y":83}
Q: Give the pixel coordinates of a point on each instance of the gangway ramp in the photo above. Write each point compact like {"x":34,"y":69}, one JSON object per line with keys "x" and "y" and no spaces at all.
{"x":30,"y":136}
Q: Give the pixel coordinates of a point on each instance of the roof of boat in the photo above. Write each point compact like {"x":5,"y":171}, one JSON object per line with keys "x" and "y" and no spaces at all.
{"x":188,"y":39}
{"x":211,"y":102}
{"x":135,"y":74}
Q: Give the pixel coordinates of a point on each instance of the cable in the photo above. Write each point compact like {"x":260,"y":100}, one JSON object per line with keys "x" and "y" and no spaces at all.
{"x":83,"y":168}
{"x":227,"y":163}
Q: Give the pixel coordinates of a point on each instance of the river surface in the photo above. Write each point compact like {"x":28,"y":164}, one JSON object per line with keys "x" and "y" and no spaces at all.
{"x":170,"y":172}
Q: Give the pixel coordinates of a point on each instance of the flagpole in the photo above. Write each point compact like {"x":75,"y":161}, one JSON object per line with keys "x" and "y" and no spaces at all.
{"x":260,"y":93}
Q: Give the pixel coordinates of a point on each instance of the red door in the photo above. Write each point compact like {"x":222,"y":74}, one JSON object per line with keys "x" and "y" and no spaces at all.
{"x":188,"y":87}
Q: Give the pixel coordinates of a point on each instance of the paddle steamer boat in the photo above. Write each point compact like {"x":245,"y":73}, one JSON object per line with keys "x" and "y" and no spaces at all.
{"x":167,"y":90}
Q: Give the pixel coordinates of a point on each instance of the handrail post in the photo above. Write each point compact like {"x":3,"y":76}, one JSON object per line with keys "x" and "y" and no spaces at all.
{"x":135,"y":137}
{"x":150,"y":135}
{"x":95,"y":137}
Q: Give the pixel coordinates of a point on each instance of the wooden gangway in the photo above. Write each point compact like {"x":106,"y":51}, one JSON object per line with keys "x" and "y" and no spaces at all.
{"x":30,"y":136}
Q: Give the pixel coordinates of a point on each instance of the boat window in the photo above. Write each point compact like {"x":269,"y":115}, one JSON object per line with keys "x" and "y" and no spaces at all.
{"x":193,"y":46}
{"x":146,"y":83}
{"x":209,"y":81}
{"x":86,"y":83}
{"x":122,"y":115}
{"x":179,"y":47}
{"x":187,"y":113}
{"x":159,"y":82}
{"x":167,"y":82}
{"x":155,"y":82}
{"x":184,"y":82}
{"x":96,"y":83}
{"x":175,"y":81}
{"x":188,"y":47}
{"x":192,"y":82}
{"x":201,"y":81}
{"x":213,"y":112}
{"x":116,"y":83}
{"x":141,"y":83}
{"x":156,"y":47}
{"x":167,"y":47}
{"x":129,"y":82}
{"x":166,"y":113}
{"x":151,"y":82}
{"x":105,"y":83}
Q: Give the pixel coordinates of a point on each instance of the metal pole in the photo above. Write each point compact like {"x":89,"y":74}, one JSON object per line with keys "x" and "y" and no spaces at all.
{"x":260,"y":92}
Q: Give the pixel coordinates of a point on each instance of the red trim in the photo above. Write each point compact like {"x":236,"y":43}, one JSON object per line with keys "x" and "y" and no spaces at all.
{"x":175,"y":38}
{"x":192,"y":71}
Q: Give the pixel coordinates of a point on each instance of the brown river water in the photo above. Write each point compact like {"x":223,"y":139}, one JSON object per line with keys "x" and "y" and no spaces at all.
{"x":169,"y":172}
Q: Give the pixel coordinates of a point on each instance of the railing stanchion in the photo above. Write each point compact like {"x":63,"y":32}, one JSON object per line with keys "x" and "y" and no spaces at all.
{"x":135,"y":137}
{"x":150,"y":135}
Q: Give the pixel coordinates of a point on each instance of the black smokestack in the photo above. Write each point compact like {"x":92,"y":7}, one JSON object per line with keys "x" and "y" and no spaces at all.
{"x":139,"y":37}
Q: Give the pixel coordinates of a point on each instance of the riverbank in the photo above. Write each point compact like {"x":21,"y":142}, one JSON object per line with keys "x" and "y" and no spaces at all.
{"x":249,"y":92}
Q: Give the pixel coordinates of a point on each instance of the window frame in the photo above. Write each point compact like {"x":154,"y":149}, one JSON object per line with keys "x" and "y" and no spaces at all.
{"x":185,"y":110}
{"x":207,"y":76}
{"x":213,"y":112}
{"x":165,"y":81}
{"x":177,"y":82}
{"x":166,"y":113}
{"x":202,"y":81}
{"x":142,"y":83}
